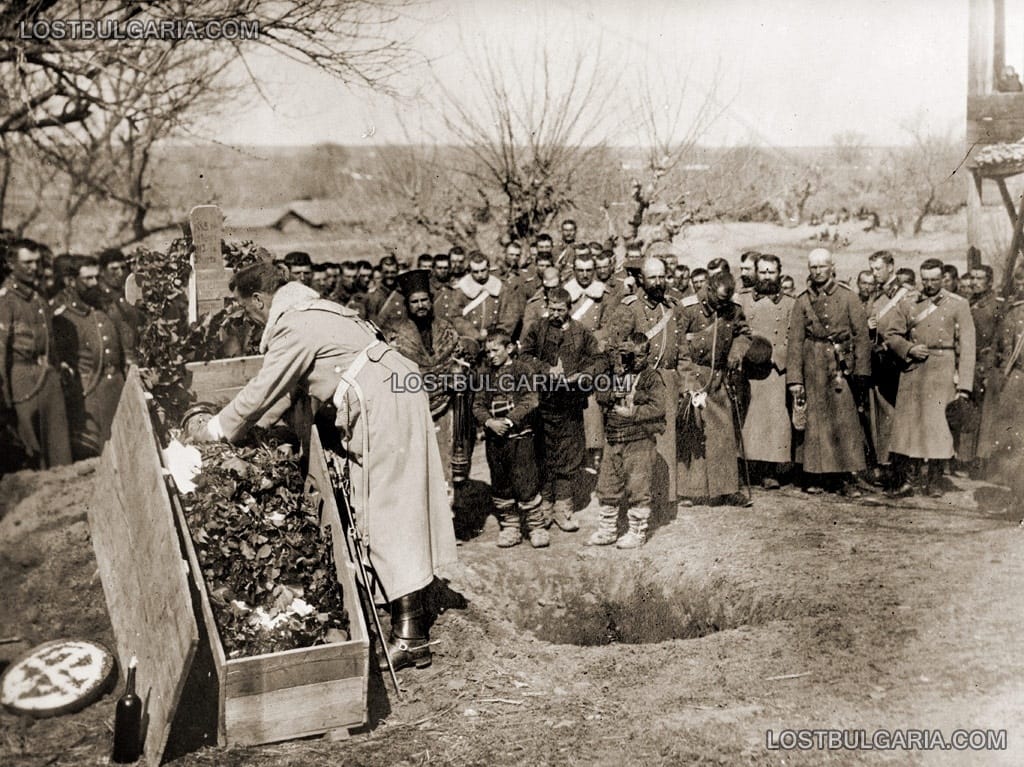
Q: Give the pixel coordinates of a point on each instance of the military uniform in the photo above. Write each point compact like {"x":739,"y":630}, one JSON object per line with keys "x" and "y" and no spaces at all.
{"x":885,"y":370}
{"x":126,"y":317}
{"x":828,"y":343}
{"x":767,"y":430}
{"x":1005,"y":445}
{"x":637,"y":313}
{"x":590,"y":308}
{"x":443,"y":294}
{"x":29,"y":382}
{"x":536,"y":309}
{"x":710,"y":343}
{"x":398,"y":491}
{"x":88,"y":344}
{"x":482,"y":307}
{"x":986,"y":310}
{"x":943,"y":323}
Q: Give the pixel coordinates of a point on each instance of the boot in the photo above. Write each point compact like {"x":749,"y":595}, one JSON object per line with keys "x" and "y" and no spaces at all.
{"x":510,"y":529}
{"x":636,"y":536}
{"x":933,"y":479}
{"x":409,"y":644}
{"x":537,"y":523}
{"x":607,"y":530}
{"x":562,"y":514}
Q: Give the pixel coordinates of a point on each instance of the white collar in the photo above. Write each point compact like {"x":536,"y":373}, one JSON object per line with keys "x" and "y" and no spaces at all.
{"x":290,"y":296}
{"x":594,"y":290}
{"x":472,"y":288}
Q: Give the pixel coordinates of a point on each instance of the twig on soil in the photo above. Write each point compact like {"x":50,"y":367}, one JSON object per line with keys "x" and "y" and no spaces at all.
{"x":10,"y":640}
{"x":500,"y":700}
{"x":787,"y":676}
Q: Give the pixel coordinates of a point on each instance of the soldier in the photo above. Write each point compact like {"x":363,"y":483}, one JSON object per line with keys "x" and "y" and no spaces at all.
{"x":545,"y":249}
{"x":378,"y":305}
{"x":113,"y":273}
{"x":614,"y":283}
{"x":698,"y":279}
{"x":589,"y":307}
{"x":683,"y":280}
{"x":716,"y":265}
{"x":748,"y":272}
{"x":457,"y":258}
{"x":714,"y":337}
{"x":767,"y":432}
{"x":441,"y":285}
{"x":386,"y":432}
{"x":319,"y":283}
{"x":88,"y":345}
{"x":333,"y":271}
{"x":651,"y":313}
{"x":511,"y":273}
{"x":505,"y":407}
{"x":566,"y":351}
{"x":1005,"y":445}
{"x":29,"y":382}
{"x":567,"y":251}
{"x":433,"y":343}
{"x":537,"y":305}
{"x":788,"y":286}
{"x":987,"y":310}
{"x":933,"y":333}
{"x":866,"y":288}
{"x":300,"y":267}
{"x":885,"y":368}
{"x":480,"y":303}
{"x":828,"y":362}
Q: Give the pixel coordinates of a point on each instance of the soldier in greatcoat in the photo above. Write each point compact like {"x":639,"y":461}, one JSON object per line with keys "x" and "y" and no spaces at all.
{"x":933,"y":333}
{"x":650,"y":312}
{"x":29,"y":381}
{"x":1005,"y":444}
{"x":986,"y":310}
{"x":828,"y":363}
{"x":713,"y":336}
{"x":885,"y":366}
{"x":89,"y":347}
{"x":767,"y":429}
{"x":382,"y":432}
{"x":481,"y":303}
{"x":589,"y":306}
{"x":537,"y":305}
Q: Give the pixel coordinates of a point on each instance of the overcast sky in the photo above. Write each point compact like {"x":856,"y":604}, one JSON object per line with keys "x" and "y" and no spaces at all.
{"x":786,"y":72}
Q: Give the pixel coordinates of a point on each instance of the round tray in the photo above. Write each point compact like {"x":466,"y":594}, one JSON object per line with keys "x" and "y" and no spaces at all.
{"x":57,"y":677}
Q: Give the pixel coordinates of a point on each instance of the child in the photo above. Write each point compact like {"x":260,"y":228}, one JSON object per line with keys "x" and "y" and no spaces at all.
{"x":634,"y":415}
{"x":504,"y":405}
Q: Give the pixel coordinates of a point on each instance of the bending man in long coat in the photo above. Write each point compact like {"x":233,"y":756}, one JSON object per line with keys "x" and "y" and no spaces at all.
{"x":397,"y":483}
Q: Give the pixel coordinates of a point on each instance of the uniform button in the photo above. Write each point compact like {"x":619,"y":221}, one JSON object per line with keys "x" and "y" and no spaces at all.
{"x":104,"y":338}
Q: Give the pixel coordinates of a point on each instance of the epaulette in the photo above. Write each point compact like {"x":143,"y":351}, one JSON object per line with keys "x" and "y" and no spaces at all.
{"x":690,"y":300}
{"x":802,"y":293}
{"x":629,"y":299}
{"x":843,"y":285}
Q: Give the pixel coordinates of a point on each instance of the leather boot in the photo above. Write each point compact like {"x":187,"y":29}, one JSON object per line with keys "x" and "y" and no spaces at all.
{"x":562,"y":514}
{"x":607,"y":529}
{"x":536,"y":523}
{"x":409,"y":644}
{"x":636,"y":536}
{"x":933,"y":479}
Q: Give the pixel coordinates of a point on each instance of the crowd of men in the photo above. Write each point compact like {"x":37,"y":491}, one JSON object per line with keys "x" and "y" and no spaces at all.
{"x":888,"y":385}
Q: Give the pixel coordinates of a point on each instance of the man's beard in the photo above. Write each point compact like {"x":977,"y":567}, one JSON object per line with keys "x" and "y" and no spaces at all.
{"x":655,"y":292}
{"x":93,"y":296}
{"x":768,"y":287}
{"x":748,"y":281}
{"x":556,"y":322}
{"x":423,"y":319}
{"x":930,"y":292}
{"x":483,"y":281}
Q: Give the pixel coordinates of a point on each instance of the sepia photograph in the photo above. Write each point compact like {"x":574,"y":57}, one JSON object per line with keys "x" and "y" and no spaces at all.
{"x":464,"y":382}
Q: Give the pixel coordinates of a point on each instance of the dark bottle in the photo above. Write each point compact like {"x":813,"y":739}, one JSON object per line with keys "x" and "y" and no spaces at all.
{"x":128,"y":722}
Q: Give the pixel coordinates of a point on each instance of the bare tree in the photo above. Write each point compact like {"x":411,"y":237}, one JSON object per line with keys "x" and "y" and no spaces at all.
{"x":669,"y":128}
{"x":535,"y":129}
{"x":95,"y":108}
{"x":849,"y":147}
{"x":917,"y":180}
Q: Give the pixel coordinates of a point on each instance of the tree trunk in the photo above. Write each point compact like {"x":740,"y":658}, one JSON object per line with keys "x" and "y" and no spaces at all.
{"x":924,"y":211}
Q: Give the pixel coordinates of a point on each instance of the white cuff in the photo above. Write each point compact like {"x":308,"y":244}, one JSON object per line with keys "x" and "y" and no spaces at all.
{"x":215,"y":429}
